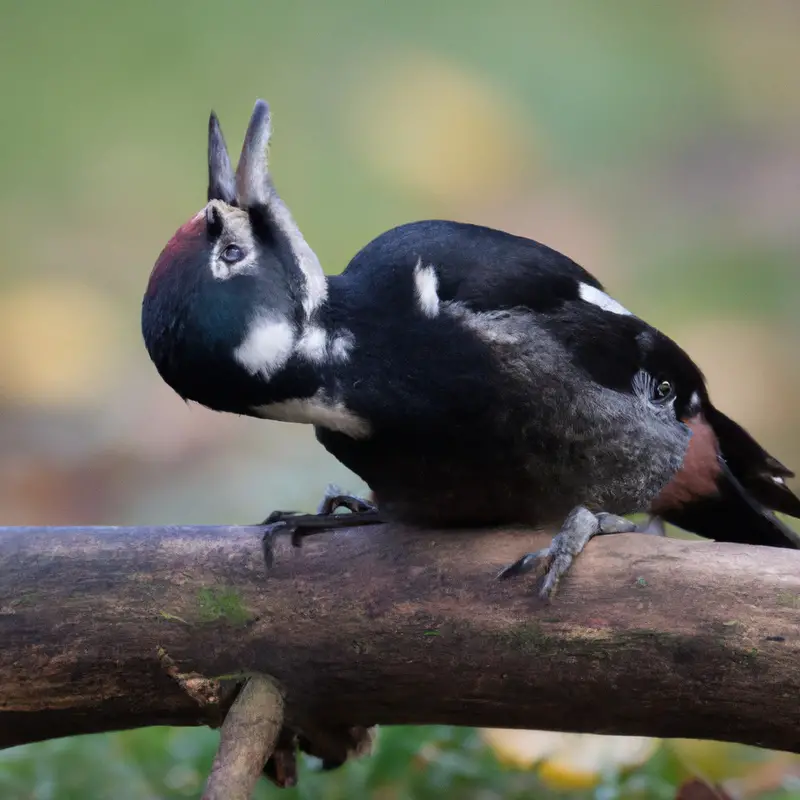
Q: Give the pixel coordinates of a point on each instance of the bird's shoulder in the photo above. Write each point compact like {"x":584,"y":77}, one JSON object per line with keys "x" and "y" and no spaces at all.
{"x":483,"y":268}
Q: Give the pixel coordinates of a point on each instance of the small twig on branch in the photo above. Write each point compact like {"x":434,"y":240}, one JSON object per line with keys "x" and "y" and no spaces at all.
{"x":247,"y":739}
{"x":203,"y":691}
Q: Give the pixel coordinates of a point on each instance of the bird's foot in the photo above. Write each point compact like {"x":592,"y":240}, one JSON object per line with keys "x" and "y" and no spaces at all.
{"x":578,"y":528}
{"x":362,"y":512}
{"x":333,"y":747}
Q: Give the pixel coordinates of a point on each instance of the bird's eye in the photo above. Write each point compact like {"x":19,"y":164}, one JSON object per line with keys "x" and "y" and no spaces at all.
{"x":663,"y":391}
{"x":232,"y":253}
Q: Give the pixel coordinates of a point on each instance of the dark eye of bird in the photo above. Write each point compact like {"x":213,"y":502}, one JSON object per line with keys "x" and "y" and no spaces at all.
{"x":663,"y":391}
{"x":232,"y":253}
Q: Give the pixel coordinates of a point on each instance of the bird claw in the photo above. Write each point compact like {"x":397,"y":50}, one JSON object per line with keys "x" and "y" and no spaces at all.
{"x":611,"y":523}
{"x":334,"y":498}
{"x":526,"y":564}
{"x":277,"y":517}
{"x":579,"y":527}
{"x":299,"y":525}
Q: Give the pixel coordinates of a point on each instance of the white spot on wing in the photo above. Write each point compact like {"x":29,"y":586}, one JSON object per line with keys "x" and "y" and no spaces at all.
{"x":342,"y":345}
{"x":777,"y":479}
{"x":318,"y":411}
{"x":592,"y":295}
{"x":426,"y":284}
{"x":312,"y":343}
{"x":266,"y":347}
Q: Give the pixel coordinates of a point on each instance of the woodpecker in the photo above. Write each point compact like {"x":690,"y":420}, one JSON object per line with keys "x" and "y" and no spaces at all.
{"x":471,"y":377}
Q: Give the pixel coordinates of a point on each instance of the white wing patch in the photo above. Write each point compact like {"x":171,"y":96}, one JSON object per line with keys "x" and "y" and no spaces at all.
{"x":317,"y":346}
{"x":592,"y":295}
{"x":426,"y":284}
{"x":342,"y":345}
{"x":317,"y":410}
{"x":266,"y":347}
{"x":313,"y":343}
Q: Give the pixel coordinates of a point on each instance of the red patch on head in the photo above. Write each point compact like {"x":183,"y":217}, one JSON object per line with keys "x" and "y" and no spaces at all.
{"x":188,"y":239}
{"x":698,"y":475}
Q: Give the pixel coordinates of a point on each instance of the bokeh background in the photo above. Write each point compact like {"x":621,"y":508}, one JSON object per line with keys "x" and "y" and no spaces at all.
{"x":658,"y":144}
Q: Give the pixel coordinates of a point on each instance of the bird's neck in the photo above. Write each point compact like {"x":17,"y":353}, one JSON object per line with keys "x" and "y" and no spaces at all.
{"x":301,"y":368}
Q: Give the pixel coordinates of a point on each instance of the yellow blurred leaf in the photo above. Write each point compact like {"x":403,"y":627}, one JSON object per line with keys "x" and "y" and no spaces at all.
{"x":569,"y":760}
{"x":433,"y":126}
{"x":59,"y":343}
{"x":716,"y":762}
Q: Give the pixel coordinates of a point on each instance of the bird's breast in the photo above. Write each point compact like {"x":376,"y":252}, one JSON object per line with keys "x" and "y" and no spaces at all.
{"x":699,"y":473}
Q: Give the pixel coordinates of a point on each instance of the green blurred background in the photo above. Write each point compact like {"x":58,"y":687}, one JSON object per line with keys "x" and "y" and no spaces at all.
{"x":658,"y":144}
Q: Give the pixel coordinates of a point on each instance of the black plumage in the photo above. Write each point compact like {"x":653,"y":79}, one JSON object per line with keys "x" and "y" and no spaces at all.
{"x":469,"y":376}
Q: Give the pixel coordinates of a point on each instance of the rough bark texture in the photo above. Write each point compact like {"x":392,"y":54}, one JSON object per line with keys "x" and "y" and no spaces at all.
{"x":111,"y":628}
{"x":246,"y":740}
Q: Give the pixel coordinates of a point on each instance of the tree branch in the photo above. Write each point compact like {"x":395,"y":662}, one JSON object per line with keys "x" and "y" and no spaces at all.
{"x":247,"y":740}
{"x":380,"y":625}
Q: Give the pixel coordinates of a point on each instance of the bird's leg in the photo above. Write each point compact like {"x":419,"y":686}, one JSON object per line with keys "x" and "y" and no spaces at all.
{"x":335,"y":746}
{"x":332,"y":746}
{"x":281,"y":766}
{"x":580,"y":526}
{"x":362,"y":512}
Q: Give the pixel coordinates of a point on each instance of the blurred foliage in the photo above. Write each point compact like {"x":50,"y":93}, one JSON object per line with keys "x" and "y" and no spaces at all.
{"x":658,"y":144}
{"x":412,"y":763}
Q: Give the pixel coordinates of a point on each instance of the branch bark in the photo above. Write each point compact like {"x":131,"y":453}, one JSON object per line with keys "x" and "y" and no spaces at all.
{"x":112,"y":628}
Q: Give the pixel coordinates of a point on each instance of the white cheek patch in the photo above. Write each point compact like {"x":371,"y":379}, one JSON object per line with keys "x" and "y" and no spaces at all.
{"x":590,"y":294}
{"x":266,"y":347}
{"x":318,"y":411}
{"x":313,"y":343}
{"x":426,"y":284}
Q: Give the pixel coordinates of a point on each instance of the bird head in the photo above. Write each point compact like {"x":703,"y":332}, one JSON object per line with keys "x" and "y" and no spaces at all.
{"x":721,"y":452}
{"x":676,"y":382}
{"x":235,"y":284}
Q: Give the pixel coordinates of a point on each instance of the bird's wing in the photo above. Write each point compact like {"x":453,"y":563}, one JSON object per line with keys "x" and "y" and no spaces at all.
{"x":484,"y":268}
